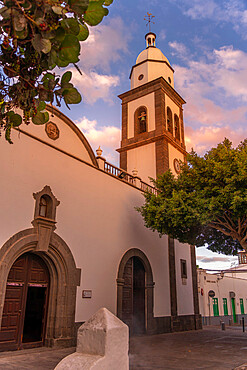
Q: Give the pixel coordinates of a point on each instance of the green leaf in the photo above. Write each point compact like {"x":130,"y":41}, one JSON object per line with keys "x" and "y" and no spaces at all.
{"x":15,"y":120}
{"x":108,"y":2}
{"x":79,"y":6}
{"x":66,"y":85}
{"x":7,"y":134}
{"x":52,"y":59}
{"x":71,"y":96}
{"x":70,"y":25}
{"x":48,"y":76}
{"x":41,"y":44}
{"x":41,"y":106}
{"x":40,"y":118}
{"x":70,"y":49}
{"x":57,"y":9}
{"x":5,"y":12}
{"x":95,"y":13}
{"x":19,"y":22}
{"x":60,"y":34}
{"x":84,"y":33}
{"x":22,"y":34}
{"x":62,"y":63}
{"x":66,"y":77}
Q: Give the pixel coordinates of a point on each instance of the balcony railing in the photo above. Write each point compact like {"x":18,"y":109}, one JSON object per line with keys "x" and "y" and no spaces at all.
{"x":126,"y":177}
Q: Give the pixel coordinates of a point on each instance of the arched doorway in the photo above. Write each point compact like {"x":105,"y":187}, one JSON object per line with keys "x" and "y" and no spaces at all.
{"x":64,"y":278}
{"x":25,"y":305}
{"x":135,"y":292}
{"x":133,"y":309}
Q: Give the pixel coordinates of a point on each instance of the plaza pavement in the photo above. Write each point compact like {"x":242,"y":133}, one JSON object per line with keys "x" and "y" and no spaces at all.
{"x":210,"y":348}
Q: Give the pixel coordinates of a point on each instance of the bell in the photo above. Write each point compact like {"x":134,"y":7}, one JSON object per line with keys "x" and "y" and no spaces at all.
{"x":143,"y":118}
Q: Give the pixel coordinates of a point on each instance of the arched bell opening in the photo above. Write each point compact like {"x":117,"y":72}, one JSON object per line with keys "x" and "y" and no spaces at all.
{"x":141,"y":122}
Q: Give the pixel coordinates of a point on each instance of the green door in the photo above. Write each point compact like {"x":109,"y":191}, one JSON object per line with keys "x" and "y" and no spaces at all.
{"x":233,"y":310}
{"x":215,"y":307}
{"x":242,"y":306}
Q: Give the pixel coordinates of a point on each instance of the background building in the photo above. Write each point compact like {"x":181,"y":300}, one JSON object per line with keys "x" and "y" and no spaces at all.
{"x":223,"y":296}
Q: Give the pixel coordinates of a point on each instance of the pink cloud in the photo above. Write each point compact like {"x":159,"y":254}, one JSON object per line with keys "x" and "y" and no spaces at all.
{"x":203,"y":138}
{"x":107,"y":137}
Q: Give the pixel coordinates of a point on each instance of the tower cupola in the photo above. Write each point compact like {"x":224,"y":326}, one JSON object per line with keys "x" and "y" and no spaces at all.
{"x":150,"y":39}
{"x":151,"y":63}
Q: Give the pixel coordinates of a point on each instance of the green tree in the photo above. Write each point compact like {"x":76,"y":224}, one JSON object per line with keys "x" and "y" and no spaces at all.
{"x":206,"y":203}
{"x":36,"y":37}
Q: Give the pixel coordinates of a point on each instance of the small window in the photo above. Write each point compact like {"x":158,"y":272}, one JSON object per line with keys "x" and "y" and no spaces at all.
{"x":241,"y":306}
{"x":176,"y":127}
{"x":225,"y":307}
{"x":169,"y":80}
{"x":215,"y":306}
{"x":169,"y":120}
{"x":141,"y":120}
{"x":140,"y":77}
{"x":45,"y":206}
{"x":183,"y":269}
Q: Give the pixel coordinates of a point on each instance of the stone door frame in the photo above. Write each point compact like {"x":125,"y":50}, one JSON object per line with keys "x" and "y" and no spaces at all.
{"x":149,"y":286}
{"x":64,"y":279}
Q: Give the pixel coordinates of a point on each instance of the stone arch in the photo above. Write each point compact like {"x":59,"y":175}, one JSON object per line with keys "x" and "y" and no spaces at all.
{"x":149,"y":286}
{"x":169,"y":120}
{"x":176,"y":127}
{"x":140,"y":120}
{"x":64,"y":278}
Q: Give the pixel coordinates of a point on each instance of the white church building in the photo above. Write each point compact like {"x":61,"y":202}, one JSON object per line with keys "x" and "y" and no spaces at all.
{"x":71,"y":239}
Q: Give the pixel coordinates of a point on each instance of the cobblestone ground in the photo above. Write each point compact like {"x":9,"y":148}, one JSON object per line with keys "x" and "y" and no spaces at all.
{"x":209,"y":348}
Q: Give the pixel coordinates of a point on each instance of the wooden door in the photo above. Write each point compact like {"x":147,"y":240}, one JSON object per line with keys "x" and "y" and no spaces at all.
{"x":127,"y":303}
{"x":133,"y":301}
{"x":138,"y":297}
{"x":25,"y":306}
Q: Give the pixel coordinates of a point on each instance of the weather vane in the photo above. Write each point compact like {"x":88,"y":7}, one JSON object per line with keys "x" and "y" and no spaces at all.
{"x":149,"y":18}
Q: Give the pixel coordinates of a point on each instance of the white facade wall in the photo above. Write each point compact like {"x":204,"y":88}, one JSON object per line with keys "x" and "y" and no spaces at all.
{"x":143,"y":159}
{"x":184,"y":286}
{"x":96,"y":218}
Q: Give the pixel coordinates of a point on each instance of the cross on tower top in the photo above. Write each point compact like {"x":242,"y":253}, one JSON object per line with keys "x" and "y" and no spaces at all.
{"x":149,"y":19}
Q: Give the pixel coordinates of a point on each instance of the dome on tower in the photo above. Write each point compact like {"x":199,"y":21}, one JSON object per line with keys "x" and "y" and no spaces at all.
{"x":151,"y":52}
{"x":151,"y":63}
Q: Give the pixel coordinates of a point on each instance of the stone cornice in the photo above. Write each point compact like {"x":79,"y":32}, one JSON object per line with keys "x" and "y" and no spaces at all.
{"x":151,"y":139}
{"x":150,"y":60}
{"x":149,"y":87}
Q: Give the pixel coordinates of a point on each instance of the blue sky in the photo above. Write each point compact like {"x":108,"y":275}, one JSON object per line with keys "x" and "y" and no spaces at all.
{"x":206,"y":44}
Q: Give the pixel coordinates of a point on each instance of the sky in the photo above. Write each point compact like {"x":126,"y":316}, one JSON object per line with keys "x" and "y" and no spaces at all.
{"x":206,"y":44}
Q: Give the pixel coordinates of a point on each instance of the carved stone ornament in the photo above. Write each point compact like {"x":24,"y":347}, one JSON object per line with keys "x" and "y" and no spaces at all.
{"x":52,"y":130}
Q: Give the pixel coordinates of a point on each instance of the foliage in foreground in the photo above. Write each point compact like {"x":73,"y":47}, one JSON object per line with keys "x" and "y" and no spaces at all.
{"x":206,"y":203}
{"x":36,"y":37}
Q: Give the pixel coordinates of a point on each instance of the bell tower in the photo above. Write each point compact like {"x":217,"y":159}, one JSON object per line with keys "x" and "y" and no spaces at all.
{"x":152,"y":116}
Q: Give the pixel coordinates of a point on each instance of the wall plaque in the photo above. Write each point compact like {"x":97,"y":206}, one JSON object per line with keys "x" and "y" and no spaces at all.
{"x":52,"y":130}
{"x":87,"y":294}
